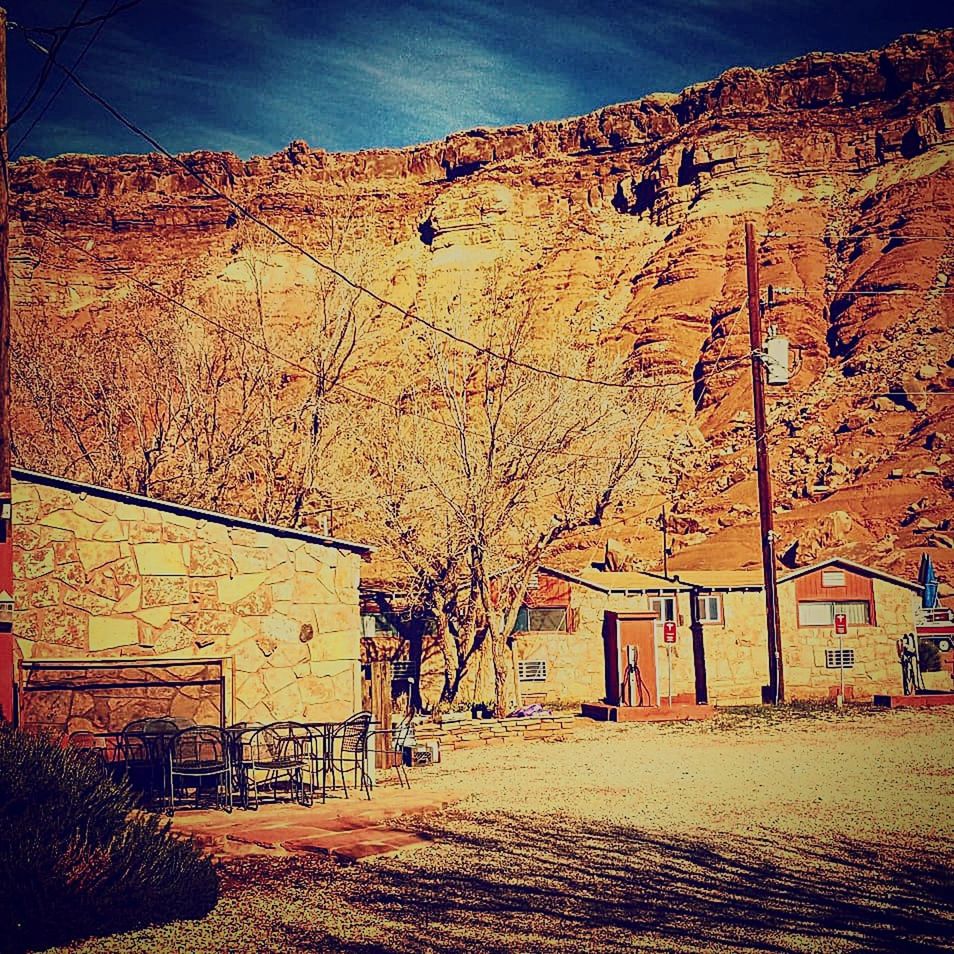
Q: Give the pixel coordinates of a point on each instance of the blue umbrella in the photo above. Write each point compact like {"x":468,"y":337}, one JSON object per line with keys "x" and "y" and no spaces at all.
{"x":928,"y":579}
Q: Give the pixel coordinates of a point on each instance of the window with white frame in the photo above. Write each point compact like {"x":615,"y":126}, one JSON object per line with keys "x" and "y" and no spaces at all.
{"x":839,"y":659}
{"x":709,"y":607}
{"x":664,"y":607}
{"x":377,"y":624}
{"x":532,"y":670}
{"x":822,"y":613}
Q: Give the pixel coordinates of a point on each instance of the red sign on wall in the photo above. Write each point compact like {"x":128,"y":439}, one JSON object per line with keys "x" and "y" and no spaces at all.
{"x":841,"y":624}
{"x":669,"y":632}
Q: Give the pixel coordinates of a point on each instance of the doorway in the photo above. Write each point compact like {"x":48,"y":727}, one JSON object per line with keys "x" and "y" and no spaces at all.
{"x":629,"y":646}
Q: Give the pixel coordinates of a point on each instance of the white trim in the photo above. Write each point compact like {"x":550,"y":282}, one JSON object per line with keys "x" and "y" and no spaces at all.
{"x":855,"y":567}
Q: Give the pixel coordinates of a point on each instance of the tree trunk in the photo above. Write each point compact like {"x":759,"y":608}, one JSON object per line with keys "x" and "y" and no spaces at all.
{"x":501,"y":660}
{"x":451,"y":659}
{"x":415,"y":650}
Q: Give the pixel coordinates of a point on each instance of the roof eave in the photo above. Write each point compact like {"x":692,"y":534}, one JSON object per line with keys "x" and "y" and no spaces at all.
{"x":124,"y":496}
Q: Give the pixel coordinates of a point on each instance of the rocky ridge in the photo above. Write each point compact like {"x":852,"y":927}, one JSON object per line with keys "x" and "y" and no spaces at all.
{"x":627,"y":223}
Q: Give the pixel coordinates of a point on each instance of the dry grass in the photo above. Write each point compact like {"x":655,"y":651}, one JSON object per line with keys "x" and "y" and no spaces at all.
{"x":799,"y":831}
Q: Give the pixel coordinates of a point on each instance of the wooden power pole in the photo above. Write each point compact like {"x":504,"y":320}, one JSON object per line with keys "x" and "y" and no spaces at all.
{"x":6,"y":495}
{"x":776,"y":686}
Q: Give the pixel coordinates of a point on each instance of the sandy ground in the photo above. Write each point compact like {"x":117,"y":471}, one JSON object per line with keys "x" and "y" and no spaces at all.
{"x":755,"y":832}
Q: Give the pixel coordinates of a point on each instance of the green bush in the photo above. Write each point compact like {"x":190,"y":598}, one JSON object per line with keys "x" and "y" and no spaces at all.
{"x":78,"y":858}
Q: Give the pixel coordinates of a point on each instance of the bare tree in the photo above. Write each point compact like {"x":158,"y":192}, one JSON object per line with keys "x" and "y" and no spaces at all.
{"x":494,"y":463}
{"x":148,"y":404}
{"x":240,"y":410}
{"x":308,"y":355}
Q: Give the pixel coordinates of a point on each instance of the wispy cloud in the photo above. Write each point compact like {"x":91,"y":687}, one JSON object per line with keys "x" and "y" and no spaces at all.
{"x":254,"y":74}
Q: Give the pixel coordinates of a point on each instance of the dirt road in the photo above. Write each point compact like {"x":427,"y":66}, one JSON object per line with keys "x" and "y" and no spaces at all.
{"x":756,"y":832}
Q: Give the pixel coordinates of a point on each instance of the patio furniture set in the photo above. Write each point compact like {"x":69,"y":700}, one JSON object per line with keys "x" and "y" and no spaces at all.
{"x":245,"y":762}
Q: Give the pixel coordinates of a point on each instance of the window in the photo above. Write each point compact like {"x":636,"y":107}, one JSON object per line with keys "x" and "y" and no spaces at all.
{"x":858,"y":613}
{"x":541,"y":619}
{"x":532,"y":670}
{"x":710,"y":608}
{"x":839,"y":659}
{"x":833,"y":577}
{"x":664,"y":607}
{"x":376,"y":624}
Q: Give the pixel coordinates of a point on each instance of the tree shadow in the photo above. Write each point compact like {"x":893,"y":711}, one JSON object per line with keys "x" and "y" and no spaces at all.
{"x":528,"y":883}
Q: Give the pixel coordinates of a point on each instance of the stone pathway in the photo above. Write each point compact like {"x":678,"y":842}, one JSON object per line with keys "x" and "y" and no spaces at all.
{"x":346,"y":829}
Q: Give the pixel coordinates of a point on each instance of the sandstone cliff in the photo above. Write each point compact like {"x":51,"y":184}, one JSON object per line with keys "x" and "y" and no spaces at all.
{"x":627,"y":224}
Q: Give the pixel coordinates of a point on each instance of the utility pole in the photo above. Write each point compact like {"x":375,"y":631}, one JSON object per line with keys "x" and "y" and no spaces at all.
{"x":6,"y":495}
{"x":776,"y":686}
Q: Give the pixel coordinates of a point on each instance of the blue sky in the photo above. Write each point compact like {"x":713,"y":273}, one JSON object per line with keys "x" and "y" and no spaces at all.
{"x":251,"y":75}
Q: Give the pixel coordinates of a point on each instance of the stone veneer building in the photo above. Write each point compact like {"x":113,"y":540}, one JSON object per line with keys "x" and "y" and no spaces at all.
{"x":113,"y":578}
{"x":560,"y":643}
{"x":879,"y":608}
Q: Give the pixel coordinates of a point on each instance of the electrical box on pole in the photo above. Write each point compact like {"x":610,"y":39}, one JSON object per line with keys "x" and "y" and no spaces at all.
{"x":776,"y":359}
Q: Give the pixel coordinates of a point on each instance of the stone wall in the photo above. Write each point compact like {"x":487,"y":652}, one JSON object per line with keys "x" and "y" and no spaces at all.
{"x":876,"y":669}
{"x":108,"y":575}
{"x":474,"y":733}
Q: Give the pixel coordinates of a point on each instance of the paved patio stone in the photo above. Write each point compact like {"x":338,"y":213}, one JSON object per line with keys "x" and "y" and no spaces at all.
{"x":345,"y":829}
{"x":350,"y":846}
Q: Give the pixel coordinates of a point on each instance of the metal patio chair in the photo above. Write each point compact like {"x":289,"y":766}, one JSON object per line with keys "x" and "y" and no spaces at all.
{"x":267,"y":756}
{"x":136,"y":751}
{"x":91,"y":748}
{"x":144,"y":751}
{"x":349,"y":751}
{"x":387,"y":747}
{"x":197,"y":754}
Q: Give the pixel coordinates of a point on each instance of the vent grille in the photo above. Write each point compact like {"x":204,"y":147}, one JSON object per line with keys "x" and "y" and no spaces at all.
{"x":839,"y":658}
{"x":402,"y":670}
{"x":532,"y":670}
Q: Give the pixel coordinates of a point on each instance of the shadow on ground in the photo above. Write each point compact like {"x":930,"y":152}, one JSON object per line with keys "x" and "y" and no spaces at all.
{"x":518,"y":883}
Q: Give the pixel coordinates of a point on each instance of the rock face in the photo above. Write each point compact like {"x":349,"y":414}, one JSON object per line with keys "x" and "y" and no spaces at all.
{"x":627,"y":224}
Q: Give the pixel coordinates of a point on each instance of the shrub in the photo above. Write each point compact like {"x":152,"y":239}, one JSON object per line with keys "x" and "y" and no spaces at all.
{"x":78,"y":858}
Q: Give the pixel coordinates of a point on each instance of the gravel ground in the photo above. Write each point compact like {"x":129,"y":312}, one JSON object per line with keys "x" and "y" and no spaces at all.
{"x":803,"y":830}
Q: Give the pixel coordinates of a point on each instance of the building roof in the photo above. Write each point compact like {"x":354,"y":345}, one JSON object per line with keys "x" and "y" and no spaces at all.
{"x":856,"y":567}
{"x":722,"y":579}
{"x":607,"y":581}
{"x":122,"y":496}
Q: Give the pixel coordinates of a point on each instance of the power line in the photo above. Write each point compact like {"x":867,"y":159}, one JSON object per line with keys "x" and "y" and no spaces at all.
{"x":387,"y":303}
{"x":59,"y":38}
{"x":863,"y":293}
{"x":79,"y":59}
{"x":944,"y":392}
{"x":882,"y":233}
{"x":290,"y":362}
{"x":92,"y":21}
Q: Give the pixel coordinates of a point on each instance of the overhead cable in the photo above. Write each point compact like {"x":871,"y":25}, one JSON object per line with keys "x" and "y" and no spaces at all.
{"x":357,"y":286}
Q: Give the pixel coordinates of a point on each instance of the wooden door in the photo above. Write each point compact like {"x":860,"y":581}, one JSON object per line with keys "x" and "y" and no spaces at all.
{"x":630,"y":659}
